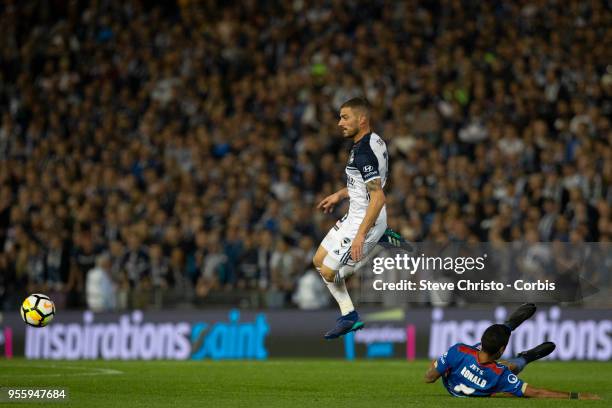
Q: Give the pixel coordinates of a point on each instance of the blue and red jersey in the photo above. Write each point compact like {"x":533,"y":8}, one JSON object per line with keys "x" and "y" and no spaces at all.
{"x":464,"y":376}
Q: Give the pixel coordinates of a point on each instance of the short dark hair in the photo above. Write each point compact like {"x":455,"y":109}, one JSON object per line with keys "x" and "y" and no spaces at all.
{"x":494,"y":338}
{"x":358,"y":103}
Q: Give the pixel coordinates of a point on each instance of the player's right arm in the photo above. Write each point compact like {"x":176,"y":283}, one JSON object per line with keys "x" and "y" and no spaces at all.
{"x":432,"y":374}
{"x":441,"y":365}
{"x":328,"y":203}
{"x":533,"y":392}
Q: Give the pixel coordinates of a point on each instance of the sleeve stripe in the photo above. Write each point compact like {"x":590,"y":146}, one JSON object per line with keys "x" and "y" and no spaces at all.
{"x":372,"y":178}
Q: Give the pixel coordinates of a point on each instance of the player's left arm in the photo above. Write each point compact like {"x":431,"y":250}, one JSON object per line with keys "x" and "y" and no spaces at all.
{"x":432,"y":374}
{"x":377,"y":202}
{"x":530,"y":391}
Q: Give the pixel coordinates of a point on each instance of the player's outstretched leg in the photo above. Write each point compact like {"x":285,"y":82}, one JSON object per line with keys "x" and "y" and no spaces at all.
{"x":523,"y":358}
{"x":524,"y":312}
{"x":349,"y":319}
{"x":538,"y":352}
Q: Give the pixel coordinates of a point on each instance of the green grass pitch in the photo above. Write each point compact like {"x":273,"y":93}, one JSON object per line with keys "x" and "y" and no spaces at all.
{"x":282,"y":383}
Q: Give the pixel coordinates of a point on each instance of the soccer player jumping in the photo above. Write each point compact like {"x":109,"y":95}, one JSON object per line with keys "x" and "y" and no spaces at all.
{"x":354,"y":236}
{"x":473,"y":371}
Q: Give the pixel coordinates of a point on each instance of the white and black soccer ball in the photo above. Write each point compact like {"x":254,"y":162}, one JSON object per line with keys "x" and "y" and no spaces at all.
{"x":38,"y":310}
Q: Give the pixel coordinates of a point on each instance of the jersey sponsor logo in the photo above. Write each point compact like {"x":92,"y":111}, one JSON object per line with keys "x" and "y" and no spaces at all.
{"x":370,"y":174}
{"x":476,"y":369}
{"x":368,"y":168}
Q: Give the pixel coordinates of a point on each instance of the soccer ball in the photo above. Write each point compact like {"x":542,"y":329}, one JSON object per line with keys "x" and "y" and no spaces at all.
{"x":37,"y":310}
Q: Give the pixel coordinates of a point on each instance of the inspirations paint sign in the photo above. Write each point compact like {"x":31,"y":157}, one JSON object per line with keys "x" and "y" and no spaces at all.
{"x":580,"y":334}
{"x":578,"y":337}
{"x":130,"y":337}
{"x":383,"y":342}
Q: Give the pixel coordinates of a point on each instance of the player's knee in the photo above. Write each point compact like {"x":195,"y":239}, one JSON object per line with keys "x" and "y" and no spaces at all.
{"x":327,"y":273}
{"x":317,"y":259}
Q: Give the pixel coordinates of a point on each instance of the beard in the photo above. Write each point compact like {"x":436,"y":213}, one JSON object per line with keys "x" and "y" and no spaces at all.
{"x":350,"y":133}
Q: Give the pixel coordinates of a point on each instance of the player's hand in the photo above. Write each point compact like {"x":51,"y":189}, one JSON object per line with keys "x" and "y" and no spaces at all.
{"x":588,"y":396}
{"x":357,"y":247}
{"x":328,"y":203}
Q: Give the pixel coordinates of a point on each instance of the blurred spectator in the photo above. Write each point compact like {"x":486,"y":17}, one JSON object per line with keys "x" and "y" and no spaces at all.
{"x":135,"y":260}
{"x":311,"y":293}
{"x":248,"y":272}
{"x":283,"y":264}
{"x":8,"y":287}
{"x":100,"y":289}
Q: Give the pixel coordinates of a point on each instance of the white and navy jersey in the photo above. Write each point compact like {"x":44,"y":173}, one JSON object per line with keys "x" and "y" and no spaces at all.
{"x":368,"y":160}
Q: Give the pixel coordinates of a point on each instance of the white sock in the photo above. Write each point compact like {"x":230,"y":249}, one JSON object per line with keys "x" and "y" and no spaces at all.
{"x":339,"y":292}
{"x":346,"y":271}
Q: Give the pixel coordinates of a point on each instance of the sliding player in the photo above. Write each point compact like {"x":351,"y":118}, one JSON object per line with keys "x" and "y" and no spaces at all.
{"x":472,"y":371}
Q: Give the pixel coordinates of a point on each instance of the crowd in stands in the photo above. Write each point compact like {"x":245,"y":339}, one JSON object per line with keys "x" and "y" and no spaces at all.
{"x":175,"y":154}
